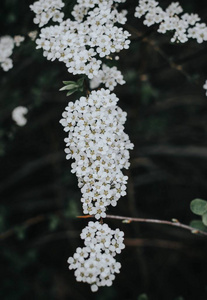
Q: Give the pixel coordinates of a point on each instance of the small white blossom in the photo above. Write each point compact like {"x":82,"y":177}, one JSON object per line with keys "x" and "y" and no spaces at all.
{"x":205,"y":87}
{"x":18,"y":115}
{"x":6,"y":49}
{"x":18,"y":39}
{"x":46,"y":10}
{"x":108,"y":76}
{"x":7,"y":44}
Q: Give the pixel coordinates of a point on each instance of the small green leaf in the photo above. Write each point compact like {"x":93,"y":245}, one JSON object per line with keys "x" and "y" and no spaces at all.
{"x":143,"y":297}
{"x":198,"y":224}
{"x":80,"y":81}
{"x":198,"y":206}
{"x":20,"y":232}
{"x":204,"y":218}
{"x":71,"y":92}
{"x":68,"y":82}
{"x":69,"y":87}
{"x":53,"y":222}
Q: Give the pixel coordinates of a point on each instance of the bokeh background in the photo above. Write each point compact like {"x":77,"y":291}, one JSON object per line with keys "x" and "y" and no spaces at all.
{"x":39,"y":201}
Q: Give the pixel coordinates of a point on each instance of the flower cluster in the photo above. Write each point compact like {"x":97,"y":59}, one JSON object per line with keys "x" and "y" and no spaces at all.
{"x":82,"y":42}
{"x":6,"y":49}
{"x":18,"y":115}
{"x":46,"y":10}
{"x":108,"y":76}
{"x":185,"y":26}
{"x":97,"y":142}
{"x":7,"y":44}
{"x":95,"y":263}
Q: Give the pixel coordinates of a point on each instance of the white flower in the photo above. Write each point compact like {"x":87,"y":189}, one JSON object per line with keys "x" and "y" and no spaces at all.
{"x":97,"y":142}
{"x":6,"y":49}
{"x":205,"y":87}
{"x":185,"y":26}
{"x":95,"y":263}
{"x":18,"y":115}
{"x":46,"y":10}
{"x":18,"y":39}
{"x":108,"y":76}
{"x":80,"y":44}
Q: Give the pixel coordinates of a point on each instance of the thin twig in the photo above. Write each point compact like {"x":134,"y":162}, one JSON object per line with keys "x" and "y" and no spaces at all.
{"x":153,"y":44}
{"x":27,"y":223}
{"x":174,"y":223}
{"x":41,"y":218}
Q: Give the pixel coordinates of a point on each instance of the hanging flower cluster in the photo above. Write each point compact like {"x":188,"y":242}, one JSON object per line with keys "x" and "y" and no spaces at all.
{"x":82,"y":42}
{"x":185,"y":26}
{"x":7,"y":44}
{"x":95,"y":263}
{"x":97,"y":142}
{"x":46,"y":10}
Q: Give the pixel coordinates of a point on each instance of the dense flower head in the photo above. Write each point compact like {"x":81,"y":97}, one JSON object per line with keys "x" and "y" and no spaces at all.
{"x":185,"y":26}
{"x":97,"y":142}
{"x":92,"y":35}
{"x":46,"y":10}
{"x":95,"y":263}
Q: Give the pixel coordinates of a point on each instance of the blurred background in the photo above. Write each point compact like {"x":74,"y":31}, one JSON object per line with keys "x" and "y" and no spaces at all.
{"x":40,"y":199}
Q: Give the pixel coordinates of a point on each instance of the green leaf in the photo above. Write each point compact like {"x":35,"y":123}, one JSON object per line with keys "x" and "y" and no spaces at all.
{"x":198,"y":224}
{"x":143,"y":297}
{"x":72,"y":210}
{"x":204,"y":218}
{"x":68,"y":82}
{"x":69,"y":87}
{"x":198,"y":206}
{"x":20,"y":232}
{"x":72,"y":91}
{"x":53,"y":222}
{"x":80,"y":81}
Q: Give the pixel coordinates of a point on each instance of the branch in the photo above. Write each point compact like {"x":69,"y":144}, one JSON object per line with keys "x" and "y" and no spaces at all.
{"x":153,"y":44}
{"x":174,"y":223}
{"x":43,"y":217}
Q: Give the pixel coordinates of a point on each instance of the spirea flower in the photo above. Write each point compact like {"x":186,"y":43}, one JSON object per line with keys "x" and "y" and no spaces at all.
{"x":7,"y":44}
{"x":97,"y":142}
{"x":108,"y":76}
{"x":18,"y":39}
{"x":6,"y":49}
{"x":81,"y":43}
{"x":185,"y":25}
{"x":95,"y":263}
{"x":18,"y":115}
{"x":46,"y":10}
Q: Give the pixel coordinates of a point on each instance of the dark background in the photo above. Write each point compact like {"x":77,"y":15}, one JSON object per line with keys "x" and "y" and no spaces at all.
{"x":39,"y":201}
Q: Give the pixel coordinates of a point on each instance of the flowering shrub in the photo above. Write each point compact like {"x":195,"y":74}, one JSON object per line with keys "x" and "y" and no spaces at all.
{"x":88,"y":43}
